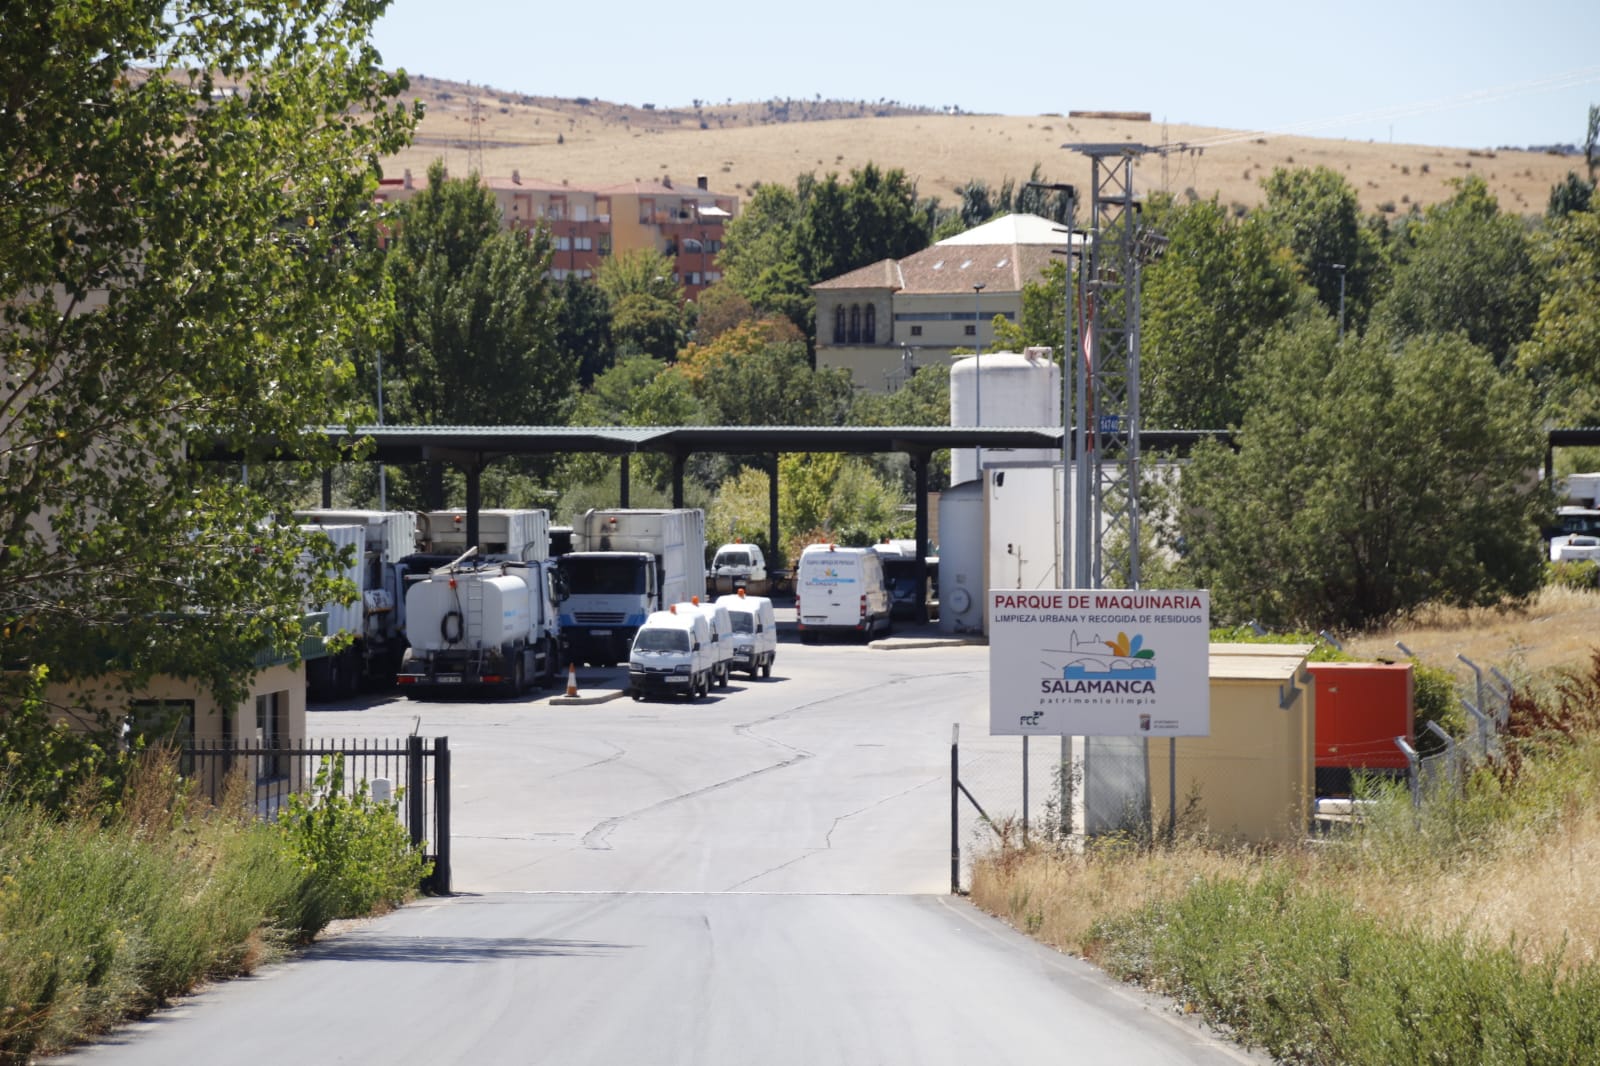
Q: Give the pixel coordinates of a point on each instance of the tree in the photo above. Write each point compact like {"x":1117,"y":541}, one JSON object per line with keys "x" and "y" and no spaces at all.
{"x":721,"y":308}
{"x":1573,"y":194}
{"x":188,"y":256}
{"x":475,"y":323}
{"x":1313,"y":212}
{"x":843,"y":227}
{"x":583,"y":328}
{"x":1374,"y":481}
{"x":1465,"y":267}
{"x":1562,"y":356}
{"x":759,"y":257}
{"x":758,"y":374}
{"x":647,"y":310}
{"x":834,"y":497}
{"x":924,"y":400}
{"x":1214,"y":293}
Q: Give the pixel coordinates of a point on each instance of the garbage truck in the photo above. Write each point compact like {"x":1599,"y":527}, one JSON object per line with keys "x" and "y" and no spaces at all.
{"x":376,"y":621}
{"x":624,"y":564}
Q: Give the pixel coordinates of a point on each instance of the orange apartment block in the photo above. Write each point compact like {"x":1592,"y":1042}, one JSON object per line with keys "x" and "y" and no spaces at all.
{"x":589,"y":223}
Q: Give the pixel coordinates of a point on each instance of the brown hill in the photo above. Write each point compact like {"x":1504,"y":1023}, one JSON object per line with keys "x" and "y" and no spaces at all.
{"x":740,"y":145}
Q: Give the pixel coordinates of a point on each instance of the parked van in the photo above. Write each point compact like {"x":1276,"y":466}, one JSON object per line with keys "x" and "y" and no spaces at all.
{"x":671,"y":655}
{"x":755,"y":632}
{"x":841,"y":590}
{"x":721,"y":636}
{"x":739,"y":566}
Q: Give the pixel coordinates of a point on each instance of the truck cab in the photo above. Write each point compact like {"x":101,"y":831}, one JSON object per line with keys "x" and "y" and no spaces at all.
{"x":610,"y":595}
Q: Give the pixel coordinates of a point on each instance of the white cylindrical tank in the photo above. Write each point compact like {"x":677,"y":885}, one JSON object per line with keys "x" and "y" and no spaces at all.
{"x":961,"y":591}
{"x":1017,"y":390}
{"x":440,"y":615}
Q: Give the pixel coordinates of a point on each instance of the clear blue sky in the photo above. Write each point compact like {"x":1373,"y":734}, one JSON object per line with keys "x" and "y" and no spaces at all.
{"x":1466,"y":74}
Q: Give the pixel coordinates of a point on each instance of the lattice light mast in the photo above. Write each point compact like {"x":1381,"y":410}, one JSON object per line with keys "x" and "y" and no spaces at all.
{"x":1106,"y":381}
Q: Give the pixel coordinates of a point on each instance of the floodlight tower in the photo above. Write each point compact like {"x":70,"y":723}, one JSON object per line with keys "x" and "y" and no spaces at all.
{"x":1106,"y":385}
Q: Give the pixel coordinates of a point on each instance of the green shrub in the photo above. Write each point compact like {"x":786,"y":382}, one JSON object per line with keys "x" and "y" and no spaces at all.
{"x":1582,"y":574}
{"x":355,"y":848}
{"x":1312,"y":980}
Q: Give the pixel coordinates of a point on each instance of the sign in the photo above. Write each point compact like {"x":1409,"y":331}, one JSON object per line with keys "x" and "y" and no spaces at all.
{"x":1100,"y":662}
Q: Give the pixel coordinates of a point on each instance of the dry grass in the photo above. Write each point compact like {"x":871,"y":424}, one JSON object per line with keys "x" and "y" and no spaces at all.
{"x":747,"y":144}
{"x":1556,"y":629}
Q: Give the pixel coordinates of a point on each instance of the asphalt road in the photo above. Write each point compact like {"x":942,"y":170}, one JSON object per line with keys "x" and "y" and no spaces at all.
{"x":759,"y":877}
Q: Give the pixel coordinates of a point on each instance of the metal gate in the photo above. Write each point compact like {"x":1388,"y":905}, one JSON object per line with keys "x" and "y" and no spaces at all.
{"x":417,"y":766}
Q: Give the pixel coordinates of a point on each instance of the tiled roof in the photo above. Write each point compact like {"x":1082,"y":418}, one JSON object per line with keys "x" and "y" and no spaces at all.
{"x":884,"y":274}
{"x":957,"y":268}
{"x":1013,"y":229}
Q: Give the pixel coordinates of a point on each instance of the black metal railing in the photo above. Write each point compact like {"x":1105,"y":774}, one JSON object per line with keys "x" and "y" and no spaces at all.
{"x":414,"y":769}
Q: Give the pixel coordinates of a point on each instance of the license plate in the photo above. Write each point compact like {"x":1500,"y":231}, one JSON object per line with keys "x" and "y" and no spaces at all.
{"x":600,"y":632}
{"x":448,"y":679}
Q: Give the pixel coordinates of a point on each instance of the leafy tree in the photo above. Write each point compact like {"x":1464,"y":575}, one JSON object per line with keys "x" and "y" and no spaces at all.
{"x":720,"y":308}
{"x":924,"y":400}
{"x":647,"y":309}
{"x":638,"y":391}
{"x":1208,"y":301}
{"x":1044,"y":314}
{"x":1563,"y":354}
{"x":1313,"y":212}
{"x":188,"y":256}
{"x":1573,"y":194}
{"x":1465,"y":267}
{"x":835,"y":497}
{"x":739,"y":511}
{"x":1375,"y":481}
{"x":758,"y":374}
{"x":475,"y":324}
{"x":760,"y":260}
{"x":583,"y":328}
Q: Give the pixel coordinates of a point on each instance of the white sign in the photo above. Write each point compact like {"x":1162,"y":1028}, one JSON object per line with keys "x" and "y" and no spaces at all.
{"x":1100,"y":662}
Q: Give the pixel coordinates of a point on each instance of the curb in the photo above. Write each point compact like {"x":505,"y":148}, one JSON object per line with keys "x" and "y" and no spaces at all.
{"x":602,"y":696}
{"x":913,"y":643}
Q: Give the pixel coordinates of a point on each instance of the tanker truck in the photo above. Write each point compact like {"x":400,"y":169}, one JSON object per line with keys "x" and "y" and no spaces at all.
{"x":623,"y":565}
{"x":476,"y":625}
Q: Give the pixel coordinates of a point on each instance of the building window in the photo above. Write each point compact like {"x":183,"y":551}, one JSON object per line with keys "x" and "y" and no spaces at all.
{"x":916,"y":331}
{"x":869,"y":330}
{"x":838,"y":324}
{"x":563,"y":244}
{"x":583,"y":244}
{"x":271,"y":725}
{"x":605,"y":244}
{"x":971,"y":331}
{"x":713,"y":276}
{"x":692,"y":278}
{"x":855,"y":323}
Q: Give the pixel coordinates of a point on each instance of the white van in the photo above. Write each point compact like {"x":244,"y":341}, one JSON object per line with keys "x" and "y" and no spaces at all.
{"x":840,"y":590}
{"x":671,"y":655}
{"x":739,"y":566}
{"x":721,"y":637}
{"x":755,"y":632}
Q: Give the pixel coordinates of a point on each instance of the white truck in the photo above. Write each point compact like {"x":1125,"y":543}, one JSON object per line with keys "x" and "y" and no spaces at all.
{"x":755,"y":632}
{"x":624,"y":564}
{"x":739,"y":566}
{"x":476,"y":624}
{"x":671,"y":655}
{"x":376,"y":622}
{"x":503,"y":534}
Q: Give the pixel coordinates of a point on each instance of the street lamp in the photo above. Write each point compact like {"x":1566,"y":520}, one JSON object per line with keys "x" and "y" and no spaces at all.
{"x":977,"y":341}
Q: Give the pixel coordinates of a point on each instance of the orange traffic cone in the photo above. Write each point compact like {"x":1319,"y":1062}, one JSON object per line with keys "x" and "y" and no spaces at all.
{"x":572,"y":679}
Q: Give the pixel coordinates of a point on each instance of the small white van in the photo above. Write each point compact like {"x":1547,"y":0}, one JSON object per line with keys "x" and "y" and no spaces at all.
{"x":755,"y":632}
{"x":721,"y":637}
{"x":739,"y":566}
{"x":671,"y":656}
{"x":841,"y":590}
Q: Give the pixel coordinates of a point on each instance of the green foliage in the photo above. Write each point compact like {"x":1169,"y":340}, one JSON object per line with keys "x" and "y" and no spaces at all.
{"x":1573,"y":574}
{"x":1570,"y":195}
{"x":1434,"y":699}
{"x":1465,"y":267}
{"x":1373,"y":481}
{"x":739,"y":511}
{"x":1314,"y":212}
{"x":759,"y":374}
{"x":355,"y":848}
{"x":1562,"y":356}
{"x":834,"y":497}
{"x":759,"y":259}
{"x":1210,"y":299}
{"x":583,"y":328}
{"x":1309,"y":978}
{"x":647,"y":308}
{"x":52,"y":759}
{"x":1044,"y":314}
{"x":181,"y":264}
{"x":924,"y":400}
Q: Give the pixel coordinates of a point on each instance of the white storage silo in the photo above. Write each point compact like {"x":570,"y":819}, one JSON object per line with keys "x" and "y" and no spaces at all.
{"x":1016,"y":391}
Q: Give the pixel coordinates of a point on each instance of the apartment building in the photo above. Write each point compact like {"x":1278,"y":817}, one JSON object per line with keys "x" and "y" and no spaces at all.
{"x":589,"y":223}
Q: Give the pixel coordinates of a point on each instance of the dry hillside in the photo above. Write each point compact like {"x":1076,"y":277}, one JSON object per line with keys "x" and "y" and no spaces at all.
{"x":738,"y":146}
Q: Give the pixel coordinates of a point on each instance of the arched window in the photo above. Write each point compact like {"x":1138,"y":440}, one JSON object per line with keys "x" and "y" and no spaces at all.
{"x":869,"y":330}
{"x":838,"y":324}
{"x":855,"y":323}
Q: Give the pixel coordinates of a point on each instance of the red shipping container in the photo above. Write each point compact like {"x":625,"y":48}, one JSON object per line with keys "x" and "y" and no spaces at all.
{"x":1361,"y":708}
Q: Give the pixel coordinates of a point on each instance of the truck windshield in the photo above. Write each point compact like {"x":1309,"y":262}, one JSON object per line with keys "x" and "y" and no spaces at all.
{"x":743,"y":621}
{"x":661,"y":640}
{"x":732,"y":559}
{"x":587,"y":575}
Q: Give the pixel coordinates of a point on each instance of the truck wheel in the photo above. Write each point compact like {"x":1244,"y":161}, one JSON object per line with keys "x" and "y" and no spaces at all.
{"x":766,"y":669}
